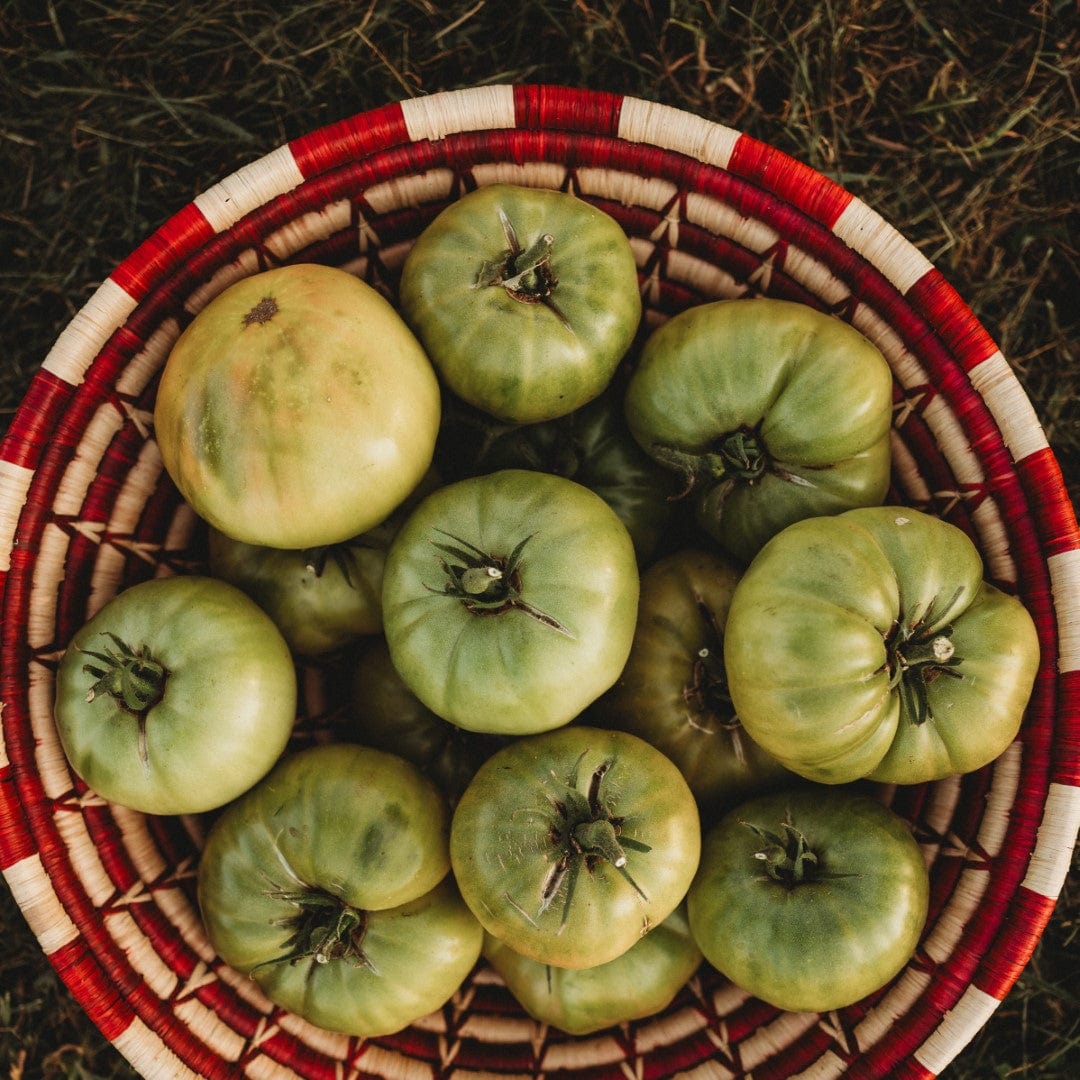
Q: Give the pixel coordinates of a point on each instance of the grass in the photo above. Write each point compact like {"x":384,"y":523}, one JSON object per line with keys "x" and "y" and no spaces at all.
{"x":958,"y":123}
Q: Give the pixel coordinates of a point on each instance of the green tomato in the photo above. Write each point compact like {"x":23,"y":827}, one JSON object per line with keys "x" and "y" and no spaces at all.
{"x":509,"y":601}
{"x":869,"y":645}
{"x":321,"y":598}
{"x":591,"y":446}
{"x":673,"y":690}
{"x":327,"y":883}
{"x":525,"y":299}
{"x":179,"y":694}
{"x":570,"y":845}
{"x":297,"y":409}
{"x":771,"y":410}
{"x":640,"y":983}
{"x":809,"y":899}
{"x":389,"y":716}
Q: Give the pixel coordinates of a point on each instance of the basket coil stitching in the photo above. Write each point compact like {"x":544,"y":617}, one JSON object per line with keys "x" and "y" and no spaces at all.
{"x":83,"y":510}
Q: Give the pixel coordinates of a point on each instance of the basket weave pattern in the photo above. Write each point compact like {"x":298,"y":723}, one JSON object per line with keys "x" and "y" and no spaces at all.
{"x":86,"y":509}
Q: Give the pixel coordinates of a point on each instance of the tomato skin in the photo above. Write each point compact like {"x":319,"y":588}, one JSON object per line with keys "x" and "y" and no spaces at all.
{"x":591,"y":446}
{"x":323,"y":598}
{"x":365,"y":834}
{"x":297,"y":409}
{"x":673,"y":690}
{"x":508,"y":670}
{"x":521,"y":361}
{"x":831,"y":639}
{"x":507,"y":850}
{"x":389,"y":716}
{"x":580,"y":1001}
{"x":831,"y":939}
{"x":225,"y":714}
{"x":317,"y":608}
{"x":772,"y":410}
{"x":422,"y":950}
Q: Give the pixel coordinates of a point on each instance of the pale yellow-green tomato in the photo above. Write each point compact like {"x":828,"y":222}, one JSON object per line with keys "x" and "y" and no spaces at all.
{"x":297,"y":409}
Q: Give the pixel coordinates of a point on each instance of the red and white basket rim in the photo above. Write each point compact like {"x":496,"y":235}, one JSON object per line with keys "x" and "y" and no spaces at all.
{"x":105,"y":891}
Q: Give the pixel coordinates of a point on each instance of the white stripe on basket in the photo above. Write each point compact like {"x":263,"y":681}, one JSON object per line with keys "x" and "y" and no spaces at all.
{"x":83,"y":468}
{"x":139,"y":951}
{"x":477,"y":108}
{"x":898,"y":1001}
{"x":434,"y":185}
{"x":336,"y":1046}
{"x":996,"y":382}
{"x":706,"y":278}
{"x":245,"y":264}
{"x":1051,"y":860}
{"x":539,"y":174}
{"x":957,"y":1028}
{"x":33,"y":892}
{"x":149,"y":1054}
{"x":643,"y":121}
{"x":83,"y":854}
{"x":309,"y":228}
{"x":249,"y":188}
{"x":50,"y":761}
{"x":653,"y":192}
{"x":140,"y":483}
{"x":208,"y":1027}
{"x":723,"y":219}
{"x":674,"y":1027}
{"x":1064,"y":570}
{"x":972,"y":883}
{"x":93,"y":324}
{"x":881,"y":244}
{"x":377,"y":1061}
{"x":786,"y":1030}
{"x":970,"y":476}
{"x":577,"y":1055}
{"x":145,"y":364}
{"x":15,"y":482}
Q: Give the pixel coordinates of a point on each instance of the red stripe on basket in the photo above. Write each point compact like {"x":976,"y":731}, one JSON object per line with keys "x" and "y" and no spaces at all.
{"x":1015,"y":941}
{"x":156,"y":257}
{"x":34,"y":424}
{"x":952,"y":319}
{"x":1040,"y":473}
{"x":16,"y":843}
{"x":817,"y":196}
{"x":906,"y":1068}
{"x":567,"y":109}
{"x":105,"y":1005}
{"x":356,"y":137}
{"x":1065,"y":765}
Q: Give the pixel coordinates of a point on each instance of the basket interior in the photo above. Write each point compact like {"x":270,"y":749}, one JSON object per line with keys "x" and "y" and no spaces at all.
{"x":88,"y":510}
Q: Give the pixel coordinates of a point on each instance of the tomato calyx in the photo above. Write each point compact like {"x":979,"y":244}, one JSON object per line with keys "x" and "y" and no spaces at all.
{"x":737,"y":458}
{"x":317,"y":558}
{"x":916,"y":655}
{"x":324,"y":928}
{"x":525,"y":273}
{"x":584,"y":833}
{"x":131,"y":677}
{"x":487,"y":584}
{"x":706,"y":693}
{"x":786,"y":855}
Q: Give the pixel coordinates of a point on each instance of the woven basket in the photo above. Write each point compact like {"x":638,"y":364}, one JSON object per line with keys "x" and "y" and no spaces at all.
{"x":86,"y":509}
